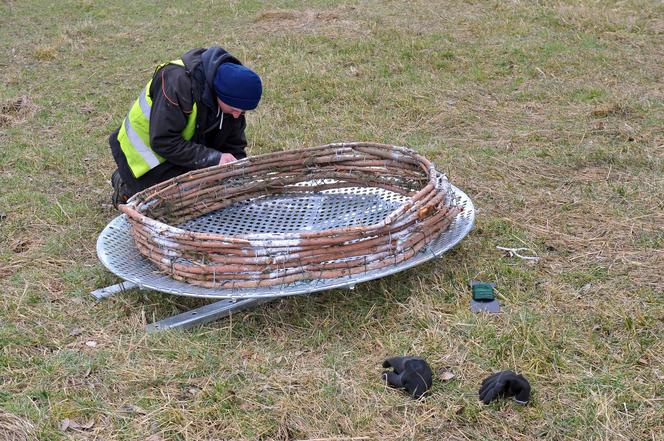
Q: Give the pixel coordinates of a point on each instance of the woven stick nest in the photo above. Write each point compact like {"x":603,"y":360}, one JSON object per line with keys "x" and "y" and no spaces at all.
{"x":265,"y":259}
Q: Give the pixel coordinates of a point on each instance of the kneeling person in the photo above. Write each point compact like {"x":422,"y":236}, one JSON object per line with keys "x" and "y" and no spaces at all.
{"x":189,"y":116}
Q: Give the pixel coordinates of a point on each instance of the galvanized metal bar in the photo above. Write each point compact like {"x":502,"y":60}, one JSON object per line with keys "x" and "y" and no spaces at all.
{"x":204,"y":314}
{"x":102,"y":293}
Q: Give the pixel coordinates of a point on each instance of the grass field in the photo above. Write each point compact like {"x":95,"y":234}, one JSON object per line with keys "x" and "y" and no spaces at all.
{"x":549,"y":114}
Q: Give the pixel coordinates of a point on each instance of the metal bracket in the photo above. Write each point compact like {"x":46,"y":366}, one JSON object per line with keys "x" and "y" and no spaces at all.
{"x":102,"y":293}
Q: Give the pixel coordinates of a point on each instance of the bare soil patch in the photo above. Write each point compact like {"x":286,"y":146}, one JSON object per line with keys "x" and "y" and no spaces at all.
{"x":16,"y":110}
{"x":336,"y":22}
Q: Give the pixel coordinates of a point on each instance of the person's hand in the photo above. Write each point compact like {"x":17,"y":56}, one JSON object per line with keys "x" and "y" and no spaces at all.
{"x":505,"y":384}
{"x":226,"y":158}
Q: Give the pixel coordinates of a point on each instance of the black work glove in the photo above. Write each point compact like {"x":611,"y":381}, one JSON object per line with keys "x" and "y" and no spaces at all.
{"x":505,"y":384}
{"x":410,"y":373}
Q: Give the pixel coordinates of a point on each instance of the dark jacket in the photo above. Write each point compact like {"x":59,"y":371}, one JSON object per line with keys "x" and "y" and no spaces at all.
{"x":173,"y":92}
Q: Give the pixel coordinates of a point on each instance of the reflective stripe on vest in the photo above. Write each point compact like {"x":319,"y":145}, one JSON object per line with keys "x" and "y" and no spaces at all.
{"x":134,"y":134}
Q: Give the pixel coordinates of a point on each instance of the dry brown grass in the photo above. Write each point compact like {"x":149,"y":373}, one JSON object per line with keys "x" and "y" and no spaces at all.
{"x":13,"y":428}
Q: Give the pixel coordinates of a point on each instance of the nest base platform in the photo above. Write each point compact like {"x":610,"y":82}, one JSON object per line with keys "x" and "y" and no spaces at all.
{"x":117,"y":252}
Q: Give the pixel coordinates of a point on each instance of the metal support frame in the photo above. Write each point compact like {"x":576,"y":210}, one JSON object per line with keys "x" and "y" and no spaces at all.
{"x":204,"y":314}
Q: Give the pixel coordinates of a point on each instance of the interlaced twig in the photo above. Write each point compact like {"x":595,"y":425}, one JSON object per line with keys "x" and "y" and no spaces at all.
{"x":252,"y":260}
{"x":514,"y":252}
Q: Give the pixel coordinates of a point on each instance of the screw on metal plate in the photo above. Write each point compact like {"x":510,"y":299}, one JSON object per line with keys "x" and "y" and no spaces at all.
{"x":484,"y":298}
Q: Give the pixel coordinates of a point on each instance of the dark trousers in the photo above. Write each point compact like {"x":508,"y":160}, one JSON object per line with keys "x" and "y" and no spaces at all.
{"x":161,"y":173}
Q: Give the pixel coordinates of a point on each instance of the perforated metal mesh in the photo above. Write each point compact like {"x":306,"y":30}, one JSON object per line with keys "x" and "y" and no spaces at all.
{"x":310,"y":212}
{"x":285,"y":213}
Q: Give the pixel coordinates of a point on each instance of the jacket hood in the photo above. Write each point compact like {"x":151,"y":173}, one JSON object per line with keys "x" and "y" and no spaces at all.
{"x":211,"y":59}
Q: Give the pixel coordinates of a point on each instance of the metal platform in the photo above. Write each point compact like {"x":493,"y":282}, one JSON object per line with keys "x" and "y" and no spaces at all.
{"x":286,"y":213}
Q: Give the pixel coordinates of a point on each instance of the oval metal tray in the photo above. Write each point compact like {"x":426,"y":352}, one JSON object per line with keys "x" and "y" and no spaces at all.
{"x":315,"y":211}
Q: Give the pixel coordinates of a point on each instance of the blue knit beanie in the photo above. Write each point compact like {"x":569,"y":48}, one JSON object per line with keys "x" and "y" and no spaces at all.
{"x":238,"y":86}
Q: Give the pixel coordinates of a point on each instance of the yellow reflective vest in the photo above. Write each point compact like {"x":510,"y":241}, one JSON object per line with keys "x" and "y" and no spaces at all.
{"x":134,"y":134}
